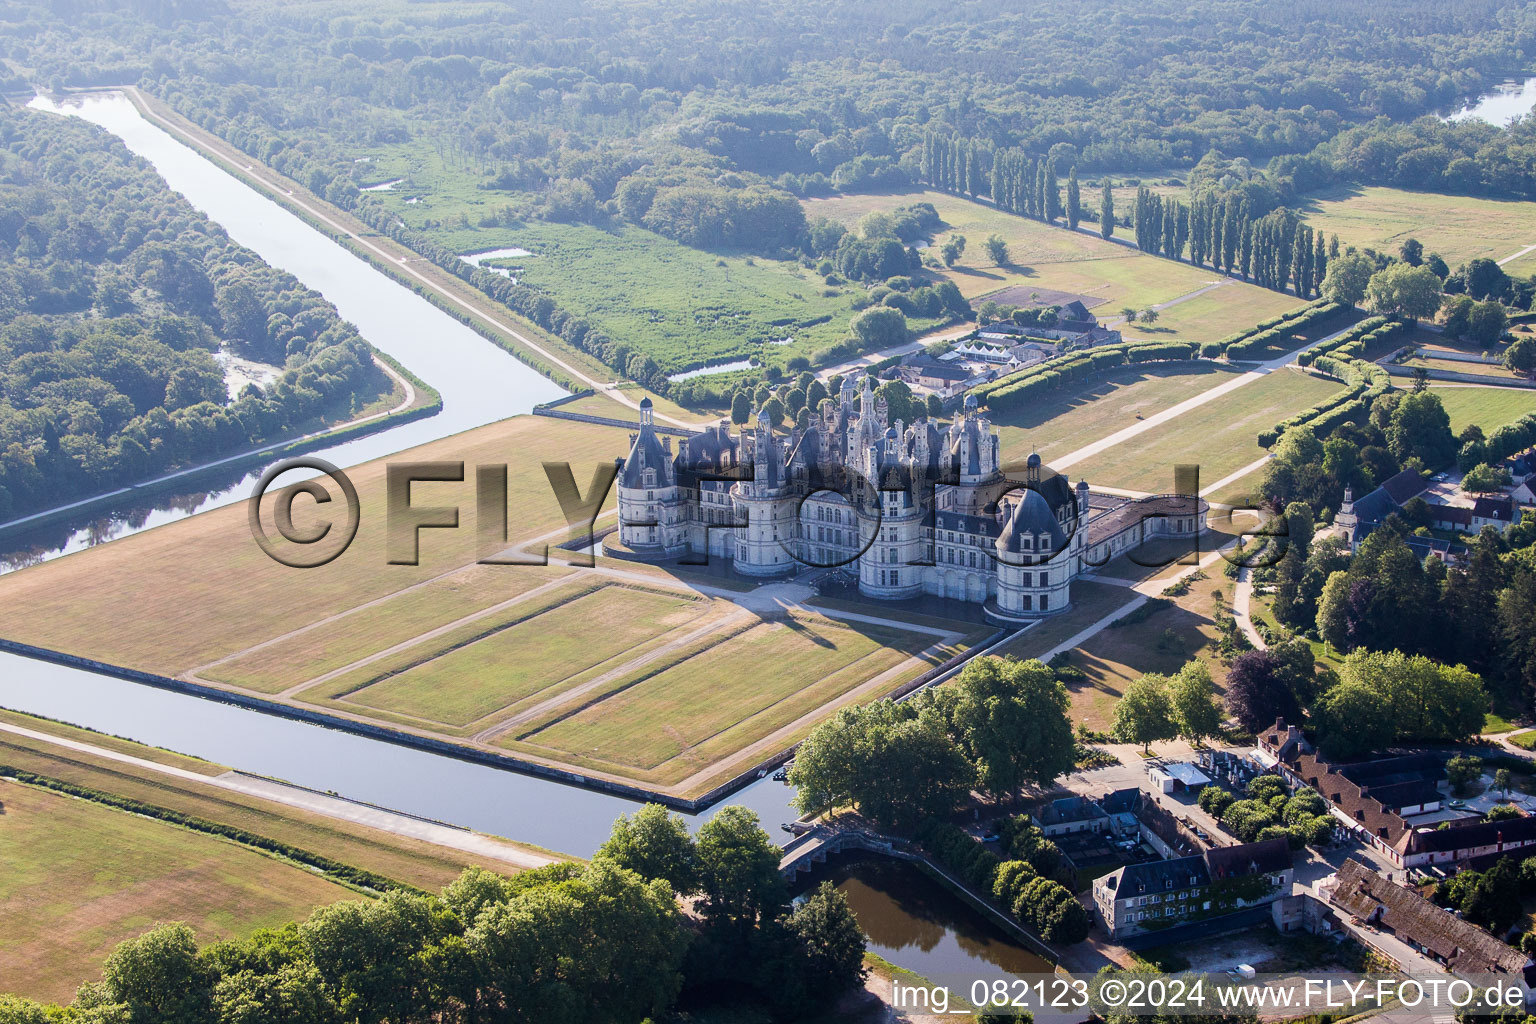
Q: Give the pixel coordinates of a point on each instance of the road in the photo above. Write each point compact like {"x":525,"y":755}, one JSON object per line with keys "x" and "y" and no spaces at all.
{"x":316,"y":803}
{"x":1242,"y":597}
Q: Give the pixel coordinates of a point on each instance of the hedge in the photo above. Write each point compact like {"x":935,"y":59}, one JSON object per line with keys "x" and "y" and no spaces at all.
{"x":1246,"y":342}
{"x":1011,"y":391}
{"x":1366,"y":382}
{"x":333,"y":869}
{"x":1354,"y":341}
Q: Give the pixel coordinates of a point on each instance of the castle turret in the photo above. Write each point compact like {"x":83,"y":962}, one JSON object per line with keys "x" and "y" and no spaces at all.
{"x":766,"y":546}
{"x":651,"y":511}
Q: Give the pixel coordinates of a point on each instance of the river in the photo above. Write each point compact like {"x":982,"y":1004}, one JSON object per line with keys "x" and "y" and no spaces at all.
{"x":912,"y":922}
{"x":1502,"y":104}
{"x":480,"y":383}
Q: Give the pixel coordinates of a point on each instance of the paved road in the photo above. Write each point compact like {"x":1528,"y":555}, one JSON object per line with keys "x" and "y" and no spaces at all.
{"x":1241,"y":598}
{"x":317,"y":803}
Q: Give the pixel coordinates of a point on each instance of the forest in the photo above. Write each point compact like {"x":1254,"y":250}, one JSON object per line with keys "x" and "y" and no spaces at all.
{"x":704,"y":123}
{"x":115,"y":296}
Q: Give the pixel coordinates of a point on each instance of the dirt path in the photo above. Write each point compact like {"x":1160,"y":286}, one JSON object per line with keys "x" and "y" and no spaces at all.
{"x":317,"y":803}
{"x":1516,"y":255}
{"x":1242,"y":597}
{"x":1169,"y":414}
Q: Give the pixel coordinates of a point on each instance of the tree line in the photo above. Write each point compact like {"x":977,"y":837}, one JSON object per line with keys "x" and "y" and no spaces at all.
{"x":603,"y":943}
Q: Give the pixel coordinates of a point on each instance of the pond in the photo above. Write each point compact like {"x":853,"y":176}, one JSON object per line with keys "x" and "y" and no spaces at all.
{"x":1505,"y":102}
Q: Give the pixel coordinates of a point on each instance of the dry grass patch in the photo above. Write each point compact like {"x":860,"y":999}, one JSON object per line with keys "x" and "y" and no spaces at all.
{"x":81,"y":877}
{"x":508,"y":659}
{"x":183,"y":595}
{"x":1459,"y":228}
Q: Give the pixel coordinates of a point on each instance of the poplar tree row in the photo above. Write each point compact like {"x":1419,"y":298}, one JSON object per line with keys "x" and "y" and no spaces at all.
{"x":1217,"y":231}
{"x":1274,"y":251}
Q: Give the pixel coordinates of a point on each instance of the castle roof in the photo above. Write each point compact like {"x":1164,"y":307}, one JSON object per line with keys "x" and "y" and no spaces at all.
{"x":1032,"y":515}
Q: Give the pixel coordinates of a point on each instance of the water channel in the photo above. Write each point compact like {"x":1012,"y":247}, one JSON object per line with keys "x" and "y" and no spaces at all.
{"x":912,"y":922}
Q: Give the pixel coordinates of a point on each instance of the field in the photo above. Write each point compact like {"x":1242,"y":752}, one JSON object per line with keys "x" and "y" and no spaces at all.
{"x":682,"y":306}
{"x":1215,"y":315}
{"x":1220,"y":436}
{"x":1491,"y":370}
{"x":151,"y":601}
{"x":1041,"y":256}
{"x":1459,"y":228}
{"x":1106,"y":404}
{"x":81,"y":877}
{"x":586,"y":668}
{"x":1489,"y":408}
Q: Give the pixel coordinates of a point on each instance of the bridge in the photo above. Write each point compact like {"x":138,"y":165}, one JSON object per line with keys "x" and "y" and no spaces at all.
{"x":815,"y":843}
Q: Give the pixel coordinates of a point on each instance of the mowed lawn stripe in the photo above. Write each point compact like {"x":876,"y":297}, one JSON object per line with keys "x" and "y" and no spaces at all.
{"x":80,"y":877}
{"x":469,"y":682}
{"x":339,"y":642}
{"x":1220,"y":436}
{"x":693,"y":700}
{"x":1489,"y":408}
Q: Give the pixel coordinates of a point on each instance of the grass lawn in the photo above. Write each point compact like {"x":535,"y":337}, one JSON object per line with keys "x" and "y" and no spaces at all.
{"x":1040,"y":256}
{"x":1065,"y":422}
{"x":1090,"y":603}
{"x":338,"y":642}
{"x":1495,"y":723}
{"x":1220,"y":436}
{"x":192,"y":592}
{"x":1459,"y":228}
{"x":1525,"y":740}
{"x":1489,"y":408}
{"x":1215,"y":315}
{"x":1162,"y":642}
{"x":81,"y":877}
{"x":682,"y":306}
{"x":541,"y":647}
{"x":732,"y":693}
{"x":1491,"y":370}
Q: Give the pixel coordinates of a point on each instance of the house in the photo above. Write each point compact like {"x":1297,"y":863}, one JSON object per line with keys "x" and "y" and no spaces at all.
{"x":1460,"y":946}
{"x":1496,"y":510}
{"x":926,"y":371}
{"x":1178,"y":776}
{"x":1145,"y":897}
{"x":1375,"y":798}
{"x":1071,"y":814}
{"x":1120,"y":805}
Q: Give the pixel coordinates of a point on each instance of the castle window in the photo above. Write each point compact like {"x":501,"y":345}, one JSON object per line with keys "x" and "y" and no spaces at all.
{"x":882,"y":577}
{"x":1029,"y":579}
{"x":1045,"y":602}
{"x":650,"y":495}
{"x":973,"y":559}
{"x":1028,"y":604}
{"x":890,"y":554}
{"x":1029,"y":545}
{"x":893,"y":577}
{"x":1045,"y":578}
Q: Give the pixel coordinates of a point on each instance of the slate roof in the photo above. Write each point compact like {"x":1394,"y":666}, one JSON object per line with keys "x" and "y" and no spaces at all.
{"x":1121,"y":801}
{"x":1461,"y":945}
{"x":1069,"y":809}
{"x":1249,"y":859}
{"x":1404,"y":485}
{"x":1467,"y":837}
{"x":1500,"y":508}
{"x":1031,"y":516}
{"x":1200,"y":869}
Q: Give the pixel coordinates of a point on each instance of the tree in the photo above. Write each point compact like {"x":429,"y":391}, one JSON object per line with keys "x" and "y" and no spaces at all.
{"x":1401,"y":290}
{"x":1257,"y":692}
{"x":1520,"y":356}
{"x":739,"y":869}
{"x":879,"y":327}
{"x":654,"y":843}
{"x":741,"y":408}
{"x":1484,"y":478}
{"x":952,"y":249}
{"x":833,"y":946}
{"x":1461,"y":771}
{"x":997,"y":250}
{"x":887,"y":760}
{"x":1128,"y":313}
{"x":1420,"y":428}
{"x":1149,"y":315}
{"x":1386,"y":697}
{"x":159,"y":978}
{"x":1411,"y":252}
{"x":1501,"y":781}
{"x":1011,"y":718}
{"x":1145,"y":712}
{"x":1193,"y":699}
{"x":1486,"y":323}
{"x":1420,"y":380}
{"x":1106,"y":211}
{"x":1074,"y":200}
{"x":363,"y":952}
{"x":1347,"y":277}
{"x":1485,"y":278}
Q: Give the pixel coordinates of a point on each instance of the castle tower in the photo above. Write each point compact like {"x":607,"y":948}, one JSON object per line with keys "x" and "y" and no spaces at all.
{"x":651,"y":510}
{"x":1036,"y":560}
{"x":892,"y":566}
{"x":767,"y":545}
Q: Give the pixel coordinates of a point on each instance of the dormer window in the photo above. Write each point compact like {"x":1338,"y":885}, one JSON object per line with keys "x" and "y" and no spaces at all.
{"x":650,"y":477}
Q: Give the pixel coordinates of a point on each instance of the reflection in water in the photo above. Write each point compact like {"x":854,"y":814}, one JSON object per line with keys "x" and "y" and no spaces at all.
{"x":1507,"y":101}
{"x":914,"y":922}
{"x":479,"y":382}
